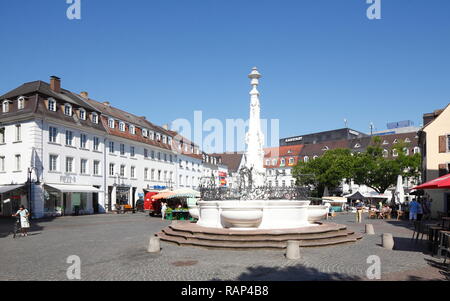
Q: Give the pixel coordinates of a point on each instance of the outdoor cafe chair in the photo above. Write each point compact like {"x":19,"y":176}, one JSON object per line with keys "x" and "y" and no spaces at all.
{"x":443,"y":244}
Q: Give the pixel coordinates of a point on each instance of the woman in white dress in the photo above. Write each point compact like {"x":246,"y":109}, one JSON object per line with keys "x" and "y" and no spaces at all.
{"x":24,"y":222}
{"x":163,"y":210}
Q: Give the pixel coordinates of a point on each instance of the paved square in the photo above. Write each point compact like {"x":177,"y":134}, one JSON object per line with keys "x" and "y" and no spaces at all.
{"x":113,"y":247}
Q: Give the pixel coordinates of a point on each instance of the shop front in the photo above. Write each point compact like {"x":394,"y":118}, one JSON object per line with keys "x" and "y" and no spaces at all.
{"x":69,"y":199}
{"x":11,"y":198}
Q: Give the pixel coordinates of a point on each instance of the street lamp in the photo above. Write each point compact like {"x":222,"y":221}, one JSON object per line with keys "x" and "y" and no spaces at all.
{"x":30,"y":192}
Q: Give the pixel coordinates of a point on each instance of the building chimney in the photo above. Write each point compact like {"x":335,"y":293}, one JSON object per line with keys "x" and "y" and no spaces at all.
{"x":55,"y":84}
{"x":106,"y":103}
{"x":84,"y":94}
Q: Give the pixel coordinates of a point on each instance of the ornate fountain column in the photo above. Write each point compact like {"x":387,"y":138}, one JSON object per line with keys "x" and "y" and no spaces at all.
{"x":254,"y":155}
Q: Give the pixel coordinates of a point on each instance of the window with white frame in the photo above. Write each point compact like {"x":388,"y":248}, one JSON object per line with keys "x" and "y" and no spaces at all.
{"x":267,"y":162}
{"x":52,"y":134}
{"x":145,"y":173}
{"x":274,"y":162}
{"x":5,"y":106}
{"x":67,"y":109}
{"x":394,"y":153}
{"x":385,"y":153}
{"x":122,"y":126}
{"x":83,"y":166}
{"x":96,"y":144}
{"x":416,"y":150}
{"x":132,"y":129}
{"x":306,"y":159}
{"x":83,"y":141}
{"x":159,"y":155}
{"x":96,"y":168}
{"x":385,"y":142}
{"x":145,"y":133}
{"x":132,"y":151}
{"x":158,"y":137}
{"x":53,"y":163}
{"x":152,"y":154}
{"x":283,"y":162}
{"x":122,"y":170}
{"x":69,"y":138}
{"x":69,"y":164}
{"x":169,"y":140}
{"x":406,"y":151}
{"x":291,"y":161}
{"x":111,"y":169}
{"x":133,"y":172}
{"x":2,"y":163}
{"x":315,"y":157}
{"x":159,"y":175}
{"x":18,"y":162}
{"x":407,"y":140}
{"x":2,"y":136}
{"x":111,"y":147}
{"x":51,"y":105}
{"x":395,"y":141}
{"x":95,"y":118}
{"x":164,"y":139}
{"x":111,"y":123}
{"x":122,"y":149}
{"x":82,"y":114}
{"x":145,"y":153}
{"x":152,"y":175}
{"x":18,"y":133}
{"x":21,"y":103}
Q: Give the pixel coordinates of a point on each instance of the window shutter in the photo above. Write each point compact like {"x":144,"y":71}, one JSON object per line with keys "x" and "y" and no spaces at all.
{"x":442,"y":144}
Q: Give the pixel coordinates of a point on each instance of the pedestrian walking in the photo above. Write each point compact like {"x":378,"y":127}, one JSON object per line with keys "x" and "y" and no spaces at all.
{"x":359,"y":211}
{"x":163,"y":210}
{"x":24,"y":219}
{"x":413,"y":210}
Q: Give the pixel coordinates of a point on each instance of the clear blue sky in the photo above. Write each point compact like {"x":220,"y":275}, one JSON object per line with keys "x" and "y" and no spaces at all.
{"x":322,"y":60}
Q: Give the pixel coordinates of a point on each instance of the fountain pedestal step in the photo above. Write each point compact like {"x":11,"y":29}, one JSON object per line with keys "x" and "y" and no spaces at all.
{"x":190,"y":234}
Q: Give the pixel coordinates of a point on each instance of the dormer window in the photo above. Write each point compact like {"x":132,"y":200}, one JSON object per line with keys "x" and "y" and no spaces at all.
{"x":5,"y":106}
{"x":385,"y":142}
{"x":145,"y":133}
{"x":385,"y":153}
{"x":274,"y":162}
{"x":325,"y":148}
{"x":306,"y":159}
{"x":95,"y":118}
{"x":164,"y":139}
{"x":407,"y":140}
{"x":122,"y":126}
{"x":67,"y":109}
{"x":357,"y":145}
{"x":169,"y":140}
{"x":52,"y":105}
{"x":111,"y":123}
{"x":315,"y":157}
{"x":21,"y":103}
{"x":132,"y":129}
{"x":158,"y":137}
{"x":395,"y":141}
{"x":82,"y":114}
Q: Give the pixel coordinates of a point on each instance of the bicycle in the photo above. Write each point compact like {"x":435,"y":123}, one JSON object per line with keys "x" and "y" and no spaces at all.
{"x":17,"y":227}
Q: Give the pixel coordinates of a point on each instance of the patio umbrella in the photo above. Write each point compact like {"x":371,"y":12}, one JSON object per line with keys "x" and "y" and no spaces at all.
{"x":439,"y":183}
{"x":399,"y":191}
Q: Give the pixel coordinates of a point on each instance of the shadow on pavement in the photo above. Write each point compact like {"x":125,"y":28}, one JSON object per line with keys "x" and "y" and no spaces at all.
{"x":7,"y":226}
{"x":293,"y":273}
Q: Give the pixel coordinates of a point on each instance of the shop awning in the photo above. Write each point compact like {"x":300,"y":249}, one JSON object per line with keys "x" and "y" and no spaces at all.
{"x":162,"y":195}
{"x":7,"y":188}
{"x":74,"y":188}
{"x":439,"y":183}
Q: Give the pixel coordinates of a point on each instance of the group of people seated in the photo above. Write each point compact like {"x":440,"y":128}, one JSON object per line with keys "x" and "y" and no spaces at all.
{"x":383,"y":212}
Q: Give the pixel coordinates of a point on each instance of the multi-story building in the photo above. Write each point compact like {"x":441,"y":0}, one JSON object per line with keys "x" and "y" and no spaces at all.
{"x":64,"y":153}
{"x":435,"y":144}
{"x":52,"y":150}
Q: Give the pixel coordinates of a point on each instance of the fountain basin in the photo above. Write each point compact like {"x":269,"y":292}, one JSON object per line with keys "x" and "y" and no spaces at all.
{"x":243,"y":217}
{"x":317,"y":213}
{"x":194,"y":212}
{"x":258,"y":214}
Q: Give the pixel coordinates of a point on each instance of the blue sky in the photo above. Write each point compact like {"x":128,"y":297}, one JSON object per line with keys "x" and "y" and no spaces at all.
{"x":322,"y":60}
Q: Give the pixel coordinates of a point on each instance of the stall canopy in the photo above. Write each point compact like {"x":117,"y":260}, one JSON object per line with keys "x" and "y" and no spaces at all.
{"x":8,"y":188}
{"x":163,"y":195}
{"x":73,"y":188}
{"x":357,"y":196}
{"x":334,"y":199}
{"x":439,"y":183}
{"x":184,"y":193}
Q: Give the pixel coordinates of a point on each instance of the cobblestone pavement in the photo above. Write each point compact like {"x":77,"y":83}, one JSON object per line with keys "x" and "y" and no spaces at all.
{"x":113,"y":247}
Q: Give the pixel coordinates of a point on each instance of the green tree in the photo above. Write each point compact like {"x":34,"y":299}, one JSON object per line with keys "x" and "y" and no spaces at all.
{"x":378,"y":172}
{"x":326,"y":171}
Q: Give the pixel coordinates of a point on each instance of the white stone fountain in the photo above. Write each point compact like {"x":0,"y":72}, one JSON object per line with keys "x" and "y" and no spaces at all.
{"x":257,"y":214}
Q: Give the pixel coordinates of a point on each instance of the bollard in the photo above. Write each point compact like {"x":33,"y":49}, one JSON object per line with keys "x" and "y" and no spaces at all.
{"x":369,"y":229}
{"x":154,"y":245}
{"x":388,"y":241}
{"x":293,"y":250}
